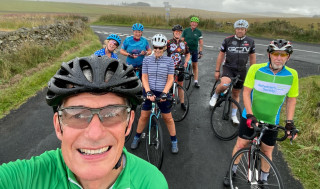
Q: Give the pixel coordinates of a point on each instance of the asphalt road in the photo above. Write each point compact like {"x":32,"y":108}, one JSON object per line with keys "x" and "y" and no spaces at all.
{"x":202,"y":160}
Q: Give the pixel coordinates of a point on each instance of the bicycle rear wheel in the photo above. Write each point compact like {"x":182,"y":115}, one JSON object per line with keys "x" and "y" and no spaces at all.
{"x":221,"y":122}
{"x":178,"y":113}
{"x":250,"y":178}
{"x":154,"y":142}
{"x":188,"y":77}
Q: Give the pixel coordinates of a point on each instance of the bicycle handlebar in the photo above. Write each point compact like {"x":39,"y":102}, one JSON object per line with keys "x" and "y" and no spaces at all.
{"x":262,"y":127}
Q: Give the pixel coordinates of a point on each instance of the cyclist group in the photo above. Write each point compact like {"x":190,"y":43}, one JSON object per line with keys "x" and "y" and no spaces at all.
{"x":92,"y":153}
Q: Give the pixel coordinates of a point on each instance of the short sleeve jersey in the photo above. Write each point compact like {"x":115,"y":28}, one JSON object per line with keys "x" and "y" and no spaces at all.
{"x":269,"y":91}
{"x":192,"y":38}
{"x":102,"y":52}
{"x":237,"y":51}
{"x":135,"y":47}
{"x":176,"y":49}
{"x":50,"y":171}
{"x":158,"y":70}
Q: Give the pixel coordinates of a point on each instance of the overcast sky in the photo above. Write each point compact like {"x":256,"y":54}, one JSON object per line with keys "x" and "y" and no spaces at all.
{"x":304,"y":7}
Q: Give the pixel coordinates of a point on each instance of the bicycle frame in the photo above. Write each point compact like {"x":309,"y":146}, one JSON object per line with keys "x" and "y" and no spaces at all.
{"x":156,"y":112}
{"x":226,"y":108}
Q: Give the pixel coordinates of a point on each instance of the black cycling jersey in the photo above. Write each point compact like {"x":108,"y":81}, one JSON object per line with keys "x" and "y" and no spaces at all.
{"x":237,"y":51}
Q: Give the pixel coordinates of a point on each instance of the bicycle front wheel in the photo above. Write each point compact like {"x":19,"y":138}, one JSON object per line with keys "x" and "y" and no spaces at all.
{"x":249,"y":171}
{"x":221,"y":122}
{"x":154,"y":142}
{"x":178,"y":111}
{"x":188,"y":77}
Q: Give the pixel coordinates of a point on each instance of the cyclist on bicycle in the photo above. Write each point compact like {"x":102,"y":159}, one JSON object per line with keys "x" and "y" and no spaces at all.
{"x":176,"y":48}
{"x":266,"y":87}
{"x":234,"y":52}
{"x":194,"y":39}
{"x":157,"y":80}
{"x":135,"y":47}
{"x":110,"y":45}
{"x":93,"y":99}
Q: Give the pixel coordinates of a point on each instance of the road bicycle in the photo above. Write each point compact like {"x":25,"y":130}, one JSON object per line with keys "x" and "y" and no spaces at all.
{"x":154,"y":137}
{"x":251,"y":161}
{"x":188,"y":76}
{"x":221,"y":122}
{"x":179,"y":113}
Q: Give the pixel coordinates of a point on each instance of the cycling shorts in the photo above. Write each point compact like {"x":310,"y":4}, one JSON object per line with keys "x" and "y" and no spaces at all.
{"x":269,"y":137}
{"x":180,"y":76}
{"x":194,"y":56}
{"x":165,"y":106}
{"x":231,"y":72}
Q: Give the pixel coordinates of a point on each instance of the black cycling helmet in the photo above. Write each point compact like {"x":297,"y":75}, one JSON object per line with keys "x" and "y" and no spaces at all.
{"x":280,"y":45}
{"x":94,"y":74}
{"x":177,"y":27}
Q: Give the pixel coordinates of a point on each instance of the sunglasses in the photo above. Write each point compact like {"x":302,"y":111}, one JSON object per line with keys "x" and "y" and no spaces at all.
{"x":160,"y":48}
{"x":80,"y":117}
{"x":282,"y":54}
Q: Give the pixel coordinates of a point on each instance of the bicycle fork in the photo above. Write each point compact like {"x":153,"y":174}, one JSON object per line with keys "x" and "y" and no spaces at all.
{"x":253,"y":165}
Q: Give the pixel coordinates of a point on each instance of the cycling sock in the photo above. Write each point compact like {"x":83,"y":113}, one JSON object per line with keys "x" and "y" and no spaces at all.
{"x":264,"y":176}
{"x":138,"y":135}
{"x":234,"y":168}
{"x":234,"y":112}
{"x":215,"y":95}
{"x":195,"y":81}
{"x":173,"y":138}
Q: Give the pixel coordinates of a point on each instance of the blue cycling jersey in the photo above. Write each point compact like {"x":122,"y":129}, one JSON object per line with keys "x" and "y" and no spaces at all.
{"x":102,"y":52}
{"x":133,"y":46}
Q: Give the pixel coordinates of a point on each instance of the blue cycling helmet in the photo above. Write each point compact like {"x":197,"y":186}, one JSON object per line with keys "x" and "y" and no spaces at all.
{"x":137,"y":26}
{"x":114,"y":37}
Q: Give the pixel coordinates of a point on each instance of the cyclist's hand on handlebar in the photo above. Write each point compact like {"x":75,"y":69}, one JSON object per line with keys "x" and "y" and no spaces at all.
{"x":200,"y":54}
{"x":150,"y":96}
{"x":163,"y":96}
{"x":251,"y":120}
{"x":185,"y":65}
{"x":130,"y":55}
{"x":291,"y":130}
{"x":143,"y":53}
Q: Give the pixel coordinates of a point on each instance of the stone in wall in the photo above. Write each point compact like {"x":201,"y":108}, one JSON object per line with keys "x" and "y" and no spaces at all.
{"x":42,"y":35}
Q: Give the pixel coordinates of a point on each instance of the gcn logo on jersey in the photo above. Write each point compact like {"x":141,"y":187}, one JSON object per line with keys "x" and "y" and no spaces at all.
{"x":244,"y":50}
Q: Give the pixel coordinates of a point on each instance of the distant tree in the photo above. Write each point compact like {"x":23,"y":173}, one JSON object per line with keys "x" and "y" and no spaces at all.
{"x":141,"y":4}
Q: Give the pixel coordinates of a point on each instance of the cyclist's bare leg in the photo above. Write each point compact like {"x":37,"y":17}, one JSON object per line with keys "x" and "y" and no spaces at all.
{"x":241,"y":143}
{"x":224,"y":83}
{"x":168,"y":120}
{"x":267,"y":150}
{"x":235,"y":95}
{"x":195,"y":70}
{"x":144,"y":117}
{"x":181,"y":92}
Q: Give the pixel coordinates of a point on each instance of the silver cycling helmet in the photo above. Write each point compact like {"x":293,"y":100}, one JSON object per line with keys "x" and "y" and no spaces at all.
{"x":241,"y":24}
{"x":159,"y":40}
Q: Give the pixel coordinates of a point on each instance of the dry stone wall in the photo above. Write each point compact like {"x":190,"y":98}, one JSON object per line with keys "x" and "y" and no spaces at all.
{"x":42,"y":35}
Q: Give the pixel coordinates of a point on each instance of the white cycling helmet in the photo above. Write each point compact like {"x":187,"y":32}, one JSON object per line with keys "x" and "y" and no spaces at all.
{"x":241,"y":24}
{"x":159,"y":40}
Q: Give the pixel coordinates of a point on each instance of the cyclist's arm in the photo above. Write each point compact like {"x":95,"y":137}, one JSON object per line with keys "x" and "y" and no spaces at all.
{"x":124,"y":52}
{"x":291,"y":105}
{"x":145,"y":82}
{"x":253,"y":58}
{"x":187,"y":59}
{"x":200,"y":44}
{"x":247,"y":99}
{"x":149,"y":51}
{"x":168,"y":84}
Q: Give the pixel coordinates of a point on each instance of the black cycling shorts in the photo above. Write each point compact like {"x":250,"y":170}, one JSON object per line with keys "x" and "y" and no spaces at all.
{"x":231,"y":72}
{"x":269,"y":138}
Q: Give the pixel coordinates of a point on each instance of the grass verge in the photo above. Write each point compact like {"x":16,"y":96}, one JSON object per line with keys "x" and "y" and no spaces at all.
{"x":303,"y":156}
{"x":16,"y":94}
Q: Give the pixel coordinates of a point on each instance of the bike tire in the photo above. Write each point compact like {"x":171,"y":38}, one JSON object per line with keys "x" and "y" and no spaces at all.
{"x":188,"y":80}
{"x":215,"y":85}
{"x":135,"y":122}
{"x":177,"y":112}
{"x":154,"y":142}
{"x":242,"y":180}
{"x":223,"y":128}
